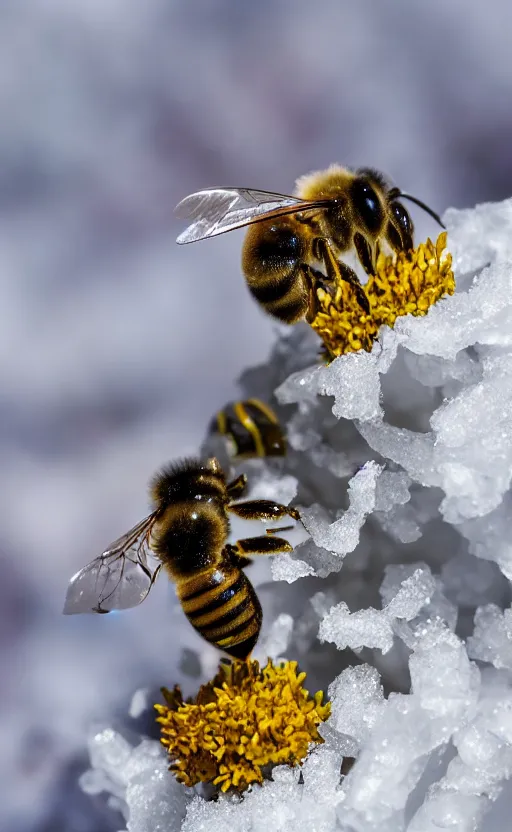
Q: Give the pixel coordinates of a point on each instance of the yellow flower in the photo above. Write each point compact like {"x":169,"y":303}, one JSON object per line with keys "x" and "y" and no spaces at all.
{"x":243,"y":722}
{"x":407,"y":283}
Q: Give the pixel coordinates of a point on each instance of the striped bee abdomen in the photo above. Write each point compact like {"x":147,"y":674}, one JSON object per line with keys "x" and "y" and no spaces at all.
{"x":272,"y":258}
{"x":223,"y":607}
{"x":253,"y":428}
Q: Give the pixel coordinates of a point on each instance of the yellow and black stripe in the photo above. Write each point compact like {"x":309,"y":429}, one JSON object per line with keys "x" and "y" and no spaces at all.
{"x":223,"y":607}
{"x":253,"y":428}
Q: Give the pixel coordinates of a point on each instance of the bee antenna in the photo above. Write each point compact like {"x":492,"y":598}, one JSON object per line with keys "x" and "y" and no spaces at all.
{"x":395,"y":193}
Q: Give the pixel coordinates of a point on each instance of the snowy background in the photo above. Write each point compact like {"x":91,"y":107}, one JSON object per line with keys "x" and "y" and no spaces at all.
{"x":117,"y":346}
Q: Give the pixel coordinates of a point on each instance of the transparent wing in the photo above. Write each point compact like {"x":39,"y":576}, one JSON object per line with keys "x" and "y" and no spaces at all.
{"x":119,"y":578}
{"x":217,"y":210}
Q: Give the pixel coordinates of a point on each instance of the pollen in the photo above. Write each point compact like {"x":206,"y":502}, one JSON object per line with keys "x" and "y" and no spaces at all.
{"x":241,"y":724}
{"x":407,"y":283}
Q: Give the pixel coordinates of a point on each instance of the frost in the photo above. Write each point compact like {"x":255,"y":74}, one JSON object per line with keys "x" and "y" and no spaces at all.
{"x":392,"y":490}
{"x":352,"y":379}
{"x":475,"y":776}
{"x":391,"y":510}
{"x":489,"y":536}
{"x":332,"y":540}
{"x":290,"y":569}
{"x":474,"y":434}
{"x":282,"y":805}
{"x":342,"y":536}
{"x":367,"y":628}
{"x":276,"y":643}
{"x":492,"y":638}
{"x":138,"y":780}
{"x":374,"y":628}
{"x":480,"y":316}
{"x":409,"y":728}
{"x":358,"y":699}
{"x":480,"y":235}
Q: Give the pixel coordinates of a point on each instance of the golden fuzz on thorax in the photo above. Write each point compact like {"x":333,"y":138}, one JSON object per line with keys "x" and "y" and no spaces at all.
{"x":243,"y":722}
{"x":326,"y":183}
{"x":406,"y":283}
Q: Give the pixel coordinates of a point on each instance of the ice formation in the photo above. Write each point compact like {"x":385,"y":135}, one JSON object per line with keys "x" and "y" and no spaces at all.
{"x":401,"y":461}
{"x":137,"y":780}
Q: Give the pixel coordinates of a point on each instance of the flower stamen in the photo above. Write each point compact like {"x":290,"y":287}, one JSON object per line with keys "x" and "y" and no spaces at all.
{"x":407,"y":283}
{"x":242,"y":723}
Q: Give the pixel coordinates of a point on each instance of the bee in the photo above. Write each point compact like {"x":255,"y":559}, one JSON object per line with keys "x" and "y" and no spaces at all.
{"x":186,"y":535}
{"x":252,"y":428}
{"x":335,"y":210}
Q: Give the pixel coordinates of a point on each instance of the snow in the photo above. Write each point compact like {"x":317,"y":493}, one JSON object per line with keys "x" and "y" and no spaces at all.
{"x":137,"y":779}
{"x":342,"y":536}
{"x":491,"y":641}
{"x":374,"y":628}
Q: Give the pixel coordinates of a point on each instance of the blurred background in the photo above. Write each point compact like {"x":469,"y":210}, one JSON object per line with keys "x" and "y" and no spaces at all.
{"x":117,"y":345}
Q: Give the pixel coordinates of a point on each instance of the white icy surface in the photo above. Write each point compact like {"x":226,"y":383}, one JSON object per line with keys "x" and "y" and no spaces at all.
{"x":375,"y":628}
{"x":489,"y":536}
{"x":342,"y":536}
{"x":275,"y":644}
{"x":137,"y":777}
{"x":352,"y":379}
{"x":492,"y":638}
{"x":337,"y":538}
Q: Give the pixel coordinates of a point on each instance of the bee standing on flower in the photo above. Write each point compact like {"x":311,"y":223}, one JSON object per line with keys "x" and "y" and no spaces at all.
{"x":187,"y":535}
{"x":336,"y":210}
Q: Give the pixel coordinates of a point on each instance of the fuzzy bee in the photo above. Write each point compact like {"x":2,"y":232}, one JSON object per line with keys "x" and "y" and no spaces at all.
{"x":186,"y":534}
{"x":292,"y":237}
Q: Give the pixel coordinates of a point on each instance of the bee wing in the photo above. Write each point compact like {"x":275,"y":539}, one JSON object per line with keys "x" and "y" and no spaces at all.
{"x":217,"y":210}
{"x":119,"y":578}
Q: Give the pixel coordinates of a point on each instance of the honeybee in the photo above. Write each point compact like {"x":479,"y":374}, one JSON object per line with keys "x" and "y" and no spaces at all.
{"x":334,"y":211}
{"x":187,"y":534}
{"x":252,"y":428}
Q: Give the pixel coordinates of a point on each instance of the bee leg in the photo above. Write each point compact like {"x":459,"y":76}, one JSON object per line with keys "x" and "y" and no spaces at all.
{"x":403,"y":224}
{"x":280,"y":529}
{"x":349,"y":276}
{"x":262,"y":546}
{"x":364,"y":253}
{"x":338,"y":272}
{"x":236,"y":487}
{"x":262,"y":510}
{"x":318,"y":280}
{"x":322,"y":251}
{"x":393,"y":237}
{"x":315,"y":280}
{"x":232,"y":555}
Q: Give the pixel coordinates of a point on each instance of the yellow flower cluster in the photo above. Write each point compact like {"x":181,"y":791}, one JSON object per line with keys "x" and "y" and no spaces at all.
{"x":407,"y":283}
{"x":243,"y":722}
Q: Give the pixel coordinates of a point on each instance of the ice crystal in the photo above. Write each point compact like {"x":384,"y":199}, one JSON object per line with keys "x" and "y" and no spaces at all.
{"x":407,"y":283}
{"x":244,"y":721}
